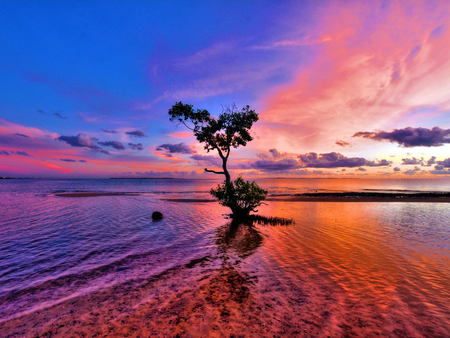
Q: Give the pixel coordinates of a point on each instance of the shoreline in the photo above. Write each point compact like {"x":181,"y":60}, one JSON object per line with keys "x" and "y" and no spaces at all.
{"x":418,"y":197}
{"x":427,"y":197}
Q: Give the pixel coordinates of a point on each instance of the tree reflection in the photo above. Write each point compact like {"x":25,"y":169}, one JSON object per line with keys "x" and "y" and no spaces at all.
{"x":239,"y":237}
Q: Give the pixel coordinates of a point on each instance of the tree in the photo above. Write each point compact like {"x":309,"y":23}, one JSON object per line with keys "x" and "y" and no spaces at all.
{"x":240,"y":196}
{"x":230,"y":129}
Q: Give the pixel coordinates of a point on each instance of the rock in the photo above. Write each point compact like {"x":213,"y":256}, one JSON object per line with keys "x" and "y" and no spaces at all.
{"x":157,"y":215}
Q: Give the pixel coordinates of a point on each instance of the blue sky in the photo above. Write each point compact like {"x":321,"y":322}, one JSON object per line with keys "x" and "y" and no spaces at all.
{"x":316,"y":72}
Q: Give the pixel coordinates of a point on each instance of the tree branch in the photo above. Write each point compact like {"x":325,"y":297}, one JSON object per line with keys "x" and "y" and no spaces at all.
{"x":214,"y":172}
{"x":220,"y":153}
{"x":186,"y":125}
{"x":228,"y":152}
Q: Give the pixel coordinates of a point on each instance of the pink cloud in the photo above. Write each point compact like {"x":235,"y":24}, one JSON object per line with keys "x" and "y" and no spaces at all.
{"x":57,"y":167}
{"x":45,"y":154}
{"x":379,"y":64}
{"x":181,"y":134}
{"x":7,"y":128}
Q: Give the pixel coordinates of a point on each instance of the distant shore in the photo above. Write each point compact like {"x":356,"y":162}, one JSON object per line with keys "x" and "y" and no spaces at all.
{"x":427,"y":197}
{"x":364,"y":197}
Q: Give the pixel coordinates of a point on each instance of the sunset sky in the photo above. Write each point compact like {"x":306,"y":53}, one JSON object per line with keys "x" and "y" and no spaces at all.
{"x":342,"y":88}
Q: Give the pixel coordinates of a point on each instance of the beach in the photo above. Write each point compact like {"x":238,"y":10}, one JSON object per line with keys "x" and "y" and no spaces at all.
{"x":97,"y":265}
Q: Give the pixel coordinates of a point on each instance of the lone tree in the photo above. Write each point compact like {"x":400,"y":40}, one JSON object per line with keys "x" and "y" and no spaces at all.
{"x":230,"y":130}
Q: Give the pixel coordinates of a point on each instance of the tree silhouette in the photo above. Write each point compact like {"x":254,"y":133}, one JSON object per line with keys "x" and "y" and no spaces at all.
{"x":231,"y":129}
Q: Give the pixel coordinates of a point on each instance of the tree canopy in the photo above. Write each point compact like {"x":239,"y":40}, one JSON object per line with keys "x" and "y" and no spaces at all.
{"x":230,"y":130}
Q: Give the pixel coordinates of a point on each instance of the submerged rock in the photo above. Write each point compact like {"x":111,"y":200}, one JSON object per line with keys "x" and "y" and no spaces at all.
{"x":157,"y":215}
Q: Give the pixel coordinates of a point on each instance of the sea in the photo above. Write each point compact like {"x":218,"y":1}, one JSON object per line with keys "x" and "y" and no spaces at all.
{"x":339,"y":269}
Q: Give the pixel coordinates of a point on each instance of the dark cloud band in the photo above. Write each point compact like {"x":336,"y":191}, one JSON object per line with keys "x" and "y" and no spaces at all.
{"x":115,"y":144}
{"x":410,"y":137}
{"x":336,"y":160}
{"x":136,"y":133}
{"x":82,"y":140}
{"x":180,"y":148}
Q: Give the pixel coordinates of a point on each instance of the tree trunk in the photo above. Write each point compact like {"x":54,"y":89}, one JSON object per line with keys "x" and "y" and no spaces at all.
{"x":225,"y":170}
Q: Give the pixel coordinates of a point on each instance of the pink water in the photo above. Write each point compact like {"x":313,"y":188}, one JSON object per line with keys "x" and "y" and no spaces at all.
{"x":343,"y":269}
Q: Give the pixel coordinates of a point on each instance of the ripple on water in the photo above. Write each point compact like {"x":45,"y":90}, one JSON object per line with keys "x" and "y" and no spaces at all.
{"x":361,"y":269}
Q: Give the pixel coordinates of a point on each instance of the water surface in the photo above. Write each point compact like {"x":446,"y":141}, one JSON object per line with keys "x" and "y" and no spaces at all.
{"x":363,"y":269}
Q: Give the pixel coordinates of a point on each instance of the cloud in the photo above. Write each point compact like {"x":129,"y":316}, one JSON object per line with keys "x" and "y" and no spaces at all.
{"x":213,"y":160}
{"x":135,"y":146}
{"x":83,"y":161}
{"x":342,"y":143}
{"x":274,"y":165}
{"x":18,"y":137}
{"x":60,"y":116}
{"x":82,"y":140}
{"x":180,"y":148}
{"x":23,"y":153}
{"x":275,"y":153}
{"x":115,"y":144}
{"x":440,"y":170}
{"x":182,"y":134}
{"x":22,"y":135}
{"x":445,"y":163}
{"x":413,"y":160}
{"x":292,"y":43}
{"x":397,"y":169}
{"x":136,"y":133}
{"x":110,"y":131}
{"x":412,"y":171}
{"x":431,"y":161}
{"x":411,"y":137}
{"x":167,"y":174}
{"x":336,"y":160}
{"x":67,"y":160}
{"x":12,"y":152}
{"x":364,"y":76}
{"x":57,"y":114}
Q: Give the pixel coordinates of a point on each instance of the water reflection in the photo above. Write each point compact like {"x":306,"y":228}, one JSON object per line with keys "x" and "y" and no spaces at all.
{"x":242,"y":238}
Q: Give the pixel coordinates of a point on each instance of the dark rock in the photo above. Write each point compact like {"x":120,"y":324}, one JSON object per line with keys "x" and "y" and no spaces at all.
{"x":157,"y":215}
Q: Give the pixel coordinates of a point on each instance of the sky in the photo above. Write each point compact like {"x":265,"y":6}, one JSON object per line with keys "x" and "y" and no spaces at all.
{"x":342,"y":88}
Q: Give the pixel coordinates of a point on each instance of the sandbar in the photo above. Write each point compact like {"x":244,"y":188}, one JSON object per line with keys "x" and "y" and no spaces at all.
{"x":418,"y":197}
{"x":94,"y":194}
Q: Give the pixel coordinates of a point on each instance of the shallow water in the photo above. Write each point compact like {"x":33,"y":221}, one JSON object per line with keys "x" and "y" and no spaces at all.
{"x":361,"y":269}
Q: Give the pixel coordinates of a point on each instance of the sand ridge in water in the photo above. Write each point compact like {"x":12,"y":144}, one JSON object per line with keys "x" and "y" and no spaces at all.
{"x":94,"y":194}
